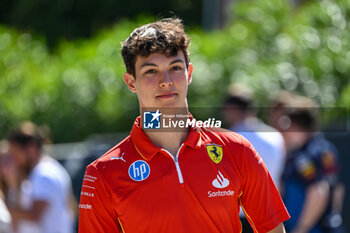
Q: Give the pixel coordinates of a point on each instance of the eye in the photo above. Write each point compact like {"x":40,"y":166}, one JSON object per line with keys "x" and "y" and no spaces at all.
{"x":176,"y":68}
{"x":150,"y":71}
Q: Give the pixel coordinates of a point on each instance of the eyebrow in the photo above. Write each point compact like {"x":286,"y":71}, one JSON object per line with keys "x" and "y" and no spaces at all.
{"x":147,"y":64}
{"x":176,"y":61}
{"x":153,"y":64}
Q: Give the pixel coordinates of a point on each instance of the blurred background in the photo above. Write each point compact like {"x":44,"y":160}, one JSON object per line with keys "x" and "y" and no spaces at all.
{"x":60,"y":65}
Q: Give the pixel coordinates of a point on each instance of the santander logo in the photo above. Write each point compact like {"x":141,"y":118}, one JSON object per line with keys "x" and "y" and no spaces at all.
{"x":220,"y":181}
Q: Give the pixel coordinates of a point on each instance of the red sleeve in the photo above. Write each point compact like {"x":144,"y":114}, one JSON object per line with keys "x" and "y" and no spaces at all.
{"x":260,"y":199}
{"x":96,"y":213}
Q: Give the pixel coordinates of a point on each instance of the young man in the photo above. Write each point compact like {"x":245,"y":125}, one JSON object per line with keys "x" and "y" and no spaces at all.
{"x":181,"y":179}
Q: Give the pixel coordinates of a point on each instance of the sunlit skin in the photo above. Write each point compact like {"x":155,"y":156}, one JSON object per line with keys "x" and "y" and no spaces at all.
{"x":160,"y":81}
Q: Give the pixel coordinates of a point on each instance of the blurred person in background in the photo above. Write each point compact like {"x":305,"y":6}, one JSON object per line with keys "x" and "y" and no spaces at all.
{"x":312,"y":191}
{"x":241,"y":117}
{"x":5,"y":217}
{"x":45,"y":194}
{"x":277,"y":117}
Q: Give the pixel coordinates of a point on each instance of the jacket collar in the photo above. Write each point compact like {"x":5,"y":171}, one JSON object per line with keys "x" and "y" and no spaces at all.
{"x":147,"y":149}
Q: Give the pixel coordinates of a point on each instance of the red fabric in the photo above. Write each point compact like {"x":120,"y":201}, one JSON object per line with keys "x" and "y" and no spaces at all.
{"x":113,"y":202}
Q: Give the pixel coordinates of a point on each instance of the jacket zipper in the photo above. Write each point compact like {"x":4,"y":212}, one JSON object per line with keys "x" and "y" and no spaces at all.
{"x":176,"y":161}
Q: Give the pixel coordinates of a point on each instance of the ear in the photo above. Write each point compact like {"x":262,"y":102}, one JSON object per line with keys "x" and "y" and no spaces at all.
{"x":189,"y":72}
{"x":130,"y":81}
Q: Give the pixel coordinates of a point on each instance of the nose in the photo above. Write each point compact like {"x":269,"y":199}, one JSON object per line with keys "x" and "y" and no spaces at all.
{"x":165,"y":80}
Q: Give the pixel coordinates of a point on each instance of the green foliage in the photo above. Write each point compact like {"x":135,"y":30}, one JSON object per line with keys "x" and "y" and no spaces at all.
{"x":76,"y":18}
{"x":270,"y":46}
{"x":78,"y":88}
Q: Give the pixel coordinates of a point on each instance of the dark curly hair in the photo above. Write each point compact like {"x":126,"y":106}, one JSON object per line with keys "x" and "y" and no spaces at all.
{"x":166,"y":36}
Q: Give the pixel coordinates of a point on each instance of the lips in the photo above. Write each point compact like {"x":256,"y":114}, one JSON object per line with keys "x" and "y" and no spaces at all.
{"x":166,"y":95}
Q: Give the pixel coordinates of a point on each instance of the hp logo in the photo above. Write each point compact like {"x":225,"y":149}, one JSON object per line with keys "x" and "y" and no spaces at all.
{"x":139,"y":170}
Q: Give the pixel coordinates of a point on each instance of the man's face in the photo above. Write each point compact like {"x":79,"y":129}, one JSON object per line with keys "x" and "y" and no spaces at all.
{"x":233,"y":114}
{"x":24,"y":156}
{"x":19,"y":155}
{"x":295,"y":137}
{"x":160,"y":81}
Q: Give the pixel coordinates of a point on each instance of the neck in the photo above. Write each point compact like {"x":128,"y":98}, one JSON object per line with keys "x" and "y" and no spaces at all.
{"x":170,"y":141}
{"x":173,"y":136}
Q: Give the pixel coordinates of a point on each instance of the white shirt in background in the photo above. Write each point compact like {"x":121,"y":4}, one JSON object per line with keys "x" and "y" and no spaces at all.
{"x":48,"y":181}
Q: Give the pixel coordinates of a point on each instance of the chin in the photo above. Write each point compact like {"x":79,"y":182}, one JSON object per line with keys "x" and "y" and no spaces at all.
{"x":166,"y":103}
{"x":172,"y":104}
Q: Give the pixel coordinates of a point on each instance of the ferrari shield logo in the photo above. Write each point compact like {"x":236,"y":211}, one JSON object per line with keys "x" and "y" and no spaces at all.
{"x":215,"y":152}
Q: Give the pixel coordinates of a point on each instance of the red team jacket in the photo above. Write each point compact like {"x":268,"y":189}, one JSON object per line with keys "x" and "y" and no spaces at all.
{"x":138,"y":187}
